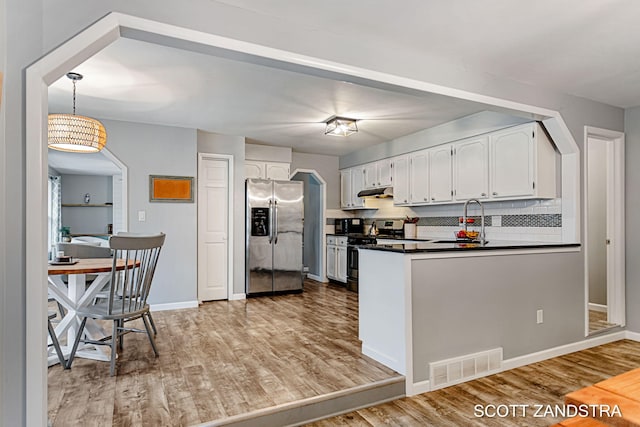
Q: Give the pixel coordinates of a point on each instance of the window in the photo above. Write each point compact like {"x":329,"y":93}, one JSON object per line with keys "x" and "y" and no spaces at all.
{"x":53,"y":210}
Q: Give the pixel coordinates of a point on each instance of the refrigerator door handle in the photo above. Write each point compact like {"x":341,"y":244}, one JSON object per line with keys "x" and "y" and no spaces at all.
{"x":275,"y":228}
{"x":270,"y":221}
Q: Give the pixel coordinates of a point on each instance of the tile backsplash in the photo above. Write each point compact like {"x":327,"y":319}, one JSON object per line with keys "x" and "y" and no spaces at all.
{"x":528,"y":220}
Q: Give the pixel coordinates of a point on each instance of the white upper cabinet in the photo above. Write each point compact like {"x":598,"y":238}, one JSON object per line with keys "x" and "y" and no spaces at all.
{"x":440,"y":173}
{"x":357,"y":185}
{"x":514,"y":163}
{"x":254,"y":169}
{"x":266,"y":170}
{"x":523,"y":163}
{"x":378,"y":174}
{"x":370,"y":176}
{"x":278,"y":171}
{"x":401,"y":180}
{"x":385,"y":172}
{"x":345,"y":188}
{"x":471,"y":168}
{"x":419,"y":177}
{"x":351,"y":183}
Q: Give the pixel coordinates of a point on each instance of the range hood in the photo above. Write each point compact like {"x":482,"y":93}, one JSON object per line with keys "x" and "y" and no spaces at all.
{"x":380,"y":193}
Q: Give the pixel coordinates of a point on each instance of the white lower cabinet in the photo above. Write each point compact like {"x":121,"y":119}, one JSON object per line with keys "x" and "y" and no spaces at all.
{"x":331,"y":261}
{"x":341,"y":261}
{"x":337,"y":258}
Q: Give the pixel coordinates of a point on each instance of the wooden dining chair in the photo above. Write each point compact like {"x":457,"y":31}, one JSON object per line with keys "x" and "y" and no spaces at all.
{"x":127,"y":293}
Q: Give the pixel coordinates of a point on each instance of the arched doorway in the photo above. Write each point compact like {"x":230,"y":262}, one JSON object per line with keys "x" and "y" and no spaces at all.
{"x":314,"y":222}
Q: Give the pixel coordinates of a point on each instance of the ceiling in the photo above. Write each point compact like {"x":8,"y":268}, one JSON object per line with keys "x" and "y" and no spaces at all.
{"x":586,"y":48}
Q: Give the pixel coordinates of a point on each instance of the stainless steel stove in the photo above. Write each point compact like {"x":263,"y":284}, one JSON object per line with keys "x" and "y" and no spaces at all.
{"x":386,"y":228}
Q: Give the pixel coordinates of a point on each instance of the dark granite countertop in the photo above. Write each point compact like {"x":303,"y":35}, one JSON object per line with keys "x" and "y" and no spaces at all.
{"x":450,"y":245}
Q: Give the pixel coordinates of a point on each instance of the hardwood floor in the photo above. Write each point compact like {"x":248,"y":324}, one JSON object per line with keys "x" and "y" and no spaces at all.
{"x":544,"y":383}
{"x":229,"y":358}
{"x":598,"y":321}
{"x":221,"y":359}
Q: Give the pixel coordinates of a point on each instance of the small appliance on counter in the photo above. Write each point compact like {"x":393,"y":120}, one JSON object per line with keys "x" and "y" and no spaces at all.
{"x":349,"y":226}
{"x":390,"y":228}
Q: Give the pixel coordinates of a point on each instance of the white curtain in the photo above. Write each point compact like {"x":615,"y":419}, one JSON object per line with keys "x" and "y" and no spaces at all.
{"x":54,"y":210}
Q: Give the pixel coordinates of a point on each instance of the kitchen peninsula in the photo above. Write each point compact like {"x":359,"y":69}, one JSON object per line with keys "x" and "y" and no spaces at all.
{"x":444,"y":313}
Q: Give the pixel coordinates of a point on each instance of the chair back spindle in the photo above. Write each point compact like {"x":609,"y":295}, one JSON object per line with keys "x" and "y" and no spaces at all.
{"x":130,"y":287}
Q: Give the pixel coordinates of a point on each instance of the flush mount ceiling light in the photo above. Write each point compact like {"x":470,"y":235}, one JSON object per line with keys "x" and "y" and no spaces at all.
{"x":74,"y":133}
{"x":341,"y":126}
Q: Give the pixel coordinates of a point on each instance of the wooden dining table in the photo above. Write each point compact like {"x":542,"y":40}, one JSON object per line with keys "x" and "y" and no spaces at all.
{"x":77,"y":293}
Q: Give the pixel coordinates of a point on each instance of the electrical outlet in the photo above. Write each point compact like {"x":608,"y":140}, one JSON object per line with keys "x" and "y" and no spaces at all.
{"x":539,"y":316}
{"x":142,"y":216}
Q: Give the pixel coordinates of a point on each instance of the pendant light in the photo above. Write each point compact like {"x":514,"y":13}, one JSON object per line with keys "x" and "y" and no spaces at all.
{"x":75,"y":133}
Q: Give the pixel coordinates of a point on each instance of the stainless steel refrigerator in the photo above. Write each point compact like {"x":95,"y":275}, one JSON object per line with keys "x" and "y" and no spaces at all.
{"x":274,"y":223}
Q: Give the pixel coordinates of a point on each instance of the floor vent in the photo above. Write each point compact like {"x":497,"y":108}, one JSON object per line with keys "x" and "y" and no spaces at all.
{"x":464,"y":368}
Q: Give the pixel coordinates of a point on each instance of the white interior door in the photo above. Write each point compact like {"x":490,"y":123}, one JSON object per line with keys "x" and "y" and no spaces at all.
{"x":605,"y":226}
{"x":213,"y":228}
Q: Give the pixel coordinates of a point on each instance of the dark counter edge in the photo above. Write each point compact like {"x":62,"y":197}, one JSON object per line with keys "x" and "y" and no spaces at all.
{"x":449,"y":247}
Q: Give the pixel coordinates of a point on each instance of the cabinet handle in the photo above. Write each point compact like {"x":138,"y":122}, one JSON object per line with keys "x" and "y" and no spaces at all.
{"x":483,"y":194}
{"x":405,"y":200}
{"x":433,"y":199}
{"x":425,"y":199}
{"x":494,"y":193}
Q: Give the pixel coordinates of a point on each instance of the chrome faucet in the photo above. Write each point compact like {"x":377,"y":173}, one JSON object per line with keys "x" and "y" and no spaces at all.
{"x":464,"y":217}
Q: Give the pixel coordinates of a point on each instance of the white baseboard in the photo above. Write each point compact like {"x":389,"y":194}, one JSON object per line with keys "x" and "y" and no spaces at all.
{"x":633,"y":336}
{"x":418,"y":388}
{"x":539,"y":356}
{"x":235,"y":297}
{"x":316,"y":278}
{"x":173,"y":305}
{"x":385,"y":359}
{"x":597,"y":307}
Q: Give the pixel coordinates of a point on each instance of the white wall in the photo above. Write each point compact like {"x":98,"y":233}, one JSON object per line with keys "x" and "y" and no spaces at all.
{"x":327,"y":168}
{"x":267,"y":153}
{"x":161,"y":150}
{"x":15,"y":415}
{"x":34,"y":27}
{"x":87,"y":220}
{"x":22,"y":44}
{"x":632,"y":200}
{"x":235,"y":146}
